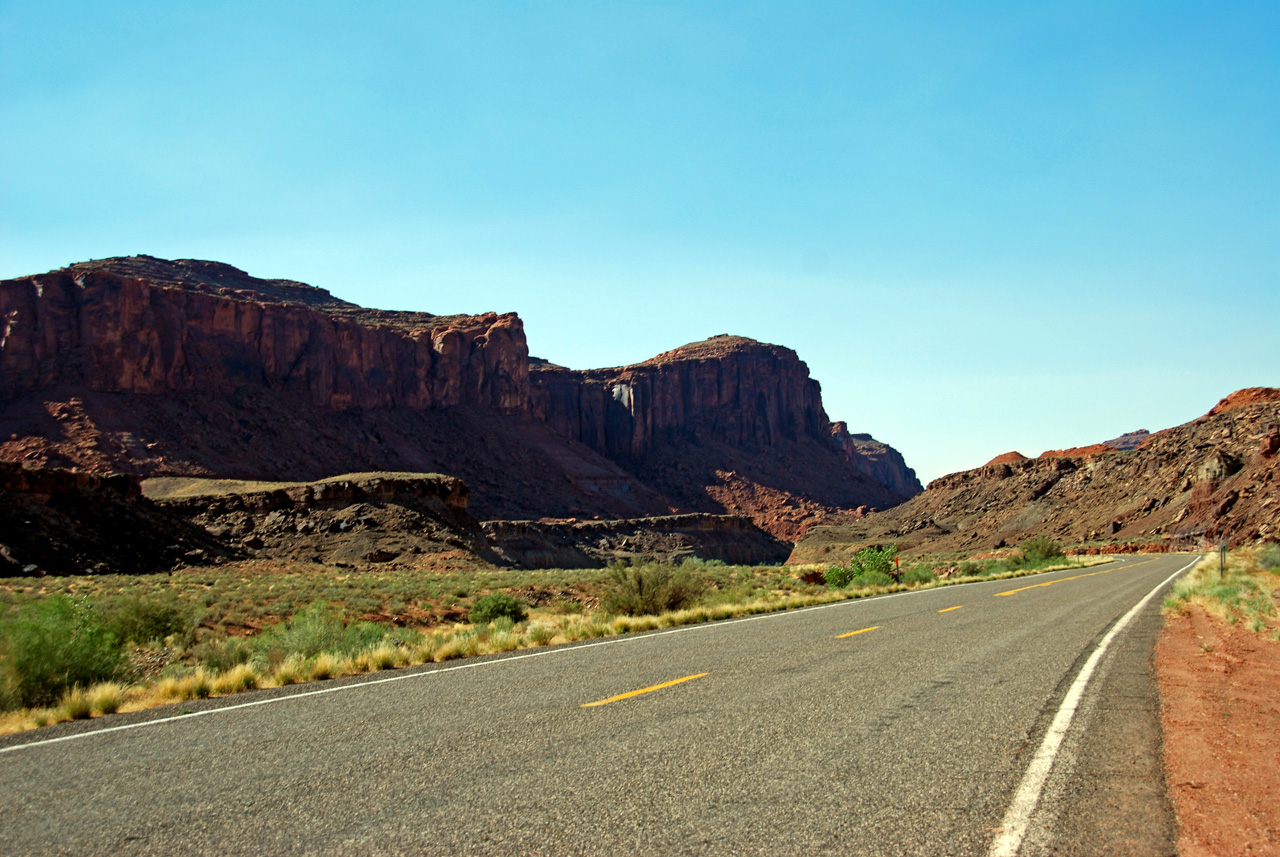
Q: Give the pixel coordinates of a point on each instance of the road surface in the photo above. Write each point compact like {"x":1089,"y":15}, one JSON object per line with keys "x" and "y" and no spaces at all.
{"x":902,"y":724}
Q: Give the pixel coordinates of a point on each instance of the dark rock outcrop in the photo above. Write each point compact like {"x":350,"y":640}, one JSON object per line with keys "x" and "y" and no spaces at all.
{"x":353,"y":519}
{"x":61,"y":522}
{"x":731,"y":539}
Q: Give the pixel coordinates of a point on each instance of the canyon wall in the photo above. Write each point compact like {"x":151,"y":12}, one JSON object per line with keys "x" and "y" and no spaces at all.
{"x":122,"y":334}
{"x":196,"y":368}
{"x":728,"y":389}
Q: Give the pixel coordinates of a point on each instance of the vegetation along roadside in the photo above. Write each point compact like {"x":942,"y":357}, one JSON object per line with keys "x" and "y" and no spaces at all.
{"x":76,"y":647}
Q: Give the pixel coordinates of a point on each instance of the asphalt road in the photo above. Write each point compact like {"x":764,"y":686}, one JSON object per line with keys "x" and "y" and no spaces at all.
{"x":790,"y":735}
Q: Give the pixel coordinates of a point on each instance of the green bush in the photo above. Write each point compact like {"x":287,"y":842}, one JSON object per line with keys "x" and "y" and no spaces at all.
{"x":872,"y":578}
{"x":134,"y":619}
{"x":317,"y":629}
{"x":919,"y":574}
{"x":650,"y":589}
{"x":699,"y":562}
{"x":1269,"y":557}
{"x":52,"y":647}
{"x":1040,"y":549}
{"x":877,"y":560}
{"x":223,"y":654}
{"x":838,"y":576}
{"x":497,"y":605}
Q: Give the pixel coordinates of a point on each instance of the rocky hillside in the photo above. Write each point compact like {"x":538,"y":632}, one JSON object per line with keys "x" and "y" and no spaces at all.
{"x":192,"y":368}
{"x":1217,"y":477}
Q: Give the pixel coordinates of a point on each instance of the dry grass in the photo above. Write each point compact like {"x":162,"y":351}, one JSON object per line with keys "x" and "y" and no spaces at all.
{"x":1244,"y":592}
{"x":547,"y":626}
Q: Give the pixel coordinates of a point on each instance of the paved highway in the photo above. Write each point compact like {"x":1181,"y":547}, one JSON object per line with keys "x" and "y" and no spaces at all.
{"x":904,"y":724}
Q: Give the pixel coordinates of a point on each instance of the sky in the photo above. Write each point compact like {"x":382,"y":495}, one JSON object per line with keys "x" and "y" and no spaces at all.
{"x":983,"y":226}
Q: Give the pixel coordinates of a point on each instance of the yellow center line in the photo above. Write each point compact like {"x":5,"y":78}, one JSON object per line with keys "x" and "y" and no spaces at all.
{"x":861,"y":631}
{"x":949,"y":609}
{"x":642,"y":690}
{"x":1077,"y":577}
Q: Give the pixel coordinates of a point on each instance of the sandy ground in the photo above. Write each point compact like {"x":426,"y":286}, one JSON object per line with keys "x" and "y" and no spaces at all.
{"x":1220,"y":694}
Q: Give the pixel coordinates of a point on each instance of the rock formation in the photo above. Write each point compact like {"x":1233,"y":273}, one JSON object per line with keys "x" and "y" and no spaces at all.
{"x":59,"y":522}
{"x":195,"y":368}
{"x":172,"y":333}
{"x":668,"y":538}
{"x":1215,"y":478}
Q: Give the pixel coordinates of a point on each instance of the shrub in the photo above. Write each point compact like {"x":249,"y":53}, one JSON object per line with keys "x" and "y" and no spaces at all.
{"x":141,"y":620}
{"x":1269,"y":557}
{"x":317,"y":629}
{"x":872,"y":578}
{"x":838,"y":577}
{"x":223,"y":654}
{"x":699,"y":562}
{"x":497,"y":605}
{"x":874,"y":560}
{"x":919,"y":574}
{"x":1040,"y":549}
{"x":650,"y":589}
{"x":54,"y":646}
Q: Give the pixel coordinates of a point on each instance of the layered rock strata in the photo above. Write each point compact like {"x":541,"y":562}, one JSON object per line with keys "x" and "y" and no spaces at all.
{"x":196,"y":368}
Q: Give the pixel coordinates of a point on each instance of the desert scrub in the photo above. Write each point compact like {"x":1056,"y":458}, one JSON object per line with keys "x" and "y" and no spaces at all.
{"x":316,"y":630}
{"x":497,"y":605}
{"x":650,"y":588}
{"x":1245,"y":590}
{"x":1039,"y":550}
{"x":51,"y":647}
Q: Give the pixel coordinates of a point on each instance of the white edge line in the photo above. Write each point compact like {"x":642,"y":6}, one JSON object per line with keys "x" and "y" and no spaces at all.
{"x":549,"y":650}
{"x":1016,"y":819}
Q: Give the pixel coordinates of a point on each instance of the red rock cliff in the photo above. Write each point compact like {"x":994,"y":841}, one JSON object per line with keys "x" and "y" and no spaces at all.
{"x":118,"y":333}
{"x":728,"y":388}
{"x":159,"y":367}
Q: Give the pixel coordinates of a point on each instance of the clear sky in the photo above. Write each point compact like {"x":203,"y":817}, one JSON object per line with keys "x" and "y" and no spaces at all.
{"x":984,"y":226}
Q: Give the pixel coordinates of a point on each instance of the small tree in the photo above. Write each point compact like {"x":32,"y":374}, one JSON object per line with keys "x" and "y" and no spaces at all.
{"x":1040,"y":549}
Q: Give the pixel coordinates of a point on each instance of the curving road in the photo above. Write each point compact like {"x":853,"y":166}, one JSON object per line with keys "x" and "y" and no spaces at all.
{"x":897,"y":725}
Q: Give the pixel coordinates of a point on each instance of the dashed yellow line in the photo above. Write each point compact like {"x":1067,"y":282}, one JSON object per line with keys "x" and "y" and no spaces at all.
{"x":949,"y":609}
{"x":1076,"y":577}
{"x":860,"y":631}
{"x":632,"y":693}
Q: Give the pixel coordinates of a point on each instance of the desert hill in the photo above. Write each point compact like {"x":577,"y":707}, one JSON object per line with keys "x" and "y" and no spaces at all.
{"x":1216,"y":477}
{"x":189,"y":368}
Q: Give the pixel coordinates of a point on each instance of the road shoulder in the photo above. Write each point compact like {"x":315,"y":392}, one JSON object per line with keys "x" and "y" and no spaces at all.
{"x":1220,"y":696}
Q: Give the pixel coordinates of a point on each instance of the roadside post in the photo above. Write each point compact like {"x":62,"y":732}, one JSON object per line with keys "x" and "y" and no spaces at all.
{"x":1222,"y":558}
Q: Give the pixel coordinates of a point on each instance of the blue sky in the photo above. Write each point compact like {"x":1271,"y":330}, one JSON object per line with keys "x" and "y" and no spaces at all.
{"x":1003,"y":226}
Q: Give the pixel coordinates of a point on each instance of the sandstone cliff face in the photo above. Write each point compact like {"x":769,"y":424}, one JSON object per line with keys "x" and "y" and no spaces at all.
{"x":196,"y":368}
{"x":111,"y":333}
{"x":665,"y":538}
{"x":350,"y":520}
{"x":729,"y":389}
{"x":727,"y":425}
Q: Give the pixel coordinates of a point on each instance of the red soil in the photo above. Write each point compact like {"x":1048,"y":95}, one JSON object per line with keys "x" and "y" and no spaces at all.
{"x":1220,"y":699}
